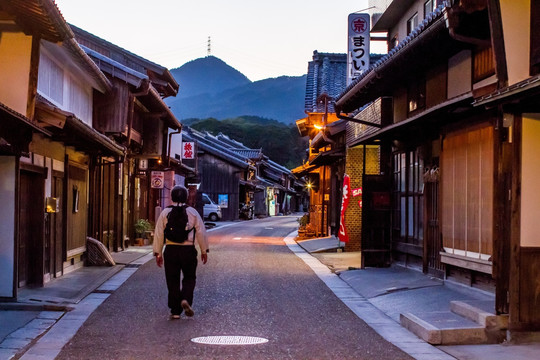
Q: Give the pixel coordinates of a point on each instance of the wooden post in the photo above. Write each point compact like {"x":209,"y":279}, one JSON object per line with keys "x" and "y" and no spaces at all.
{"x":515,"y":236}
{"x":33,"y":78}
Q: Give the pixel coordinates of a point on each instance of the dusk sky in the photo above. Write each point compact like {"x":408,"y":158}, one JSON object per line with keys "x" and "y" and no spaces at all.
{"x":261,"y":39}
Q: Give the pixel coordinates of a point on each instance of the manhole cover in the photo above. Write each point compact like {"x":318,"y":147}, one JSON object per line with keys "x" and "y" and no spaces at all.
{"x":229,"y":340}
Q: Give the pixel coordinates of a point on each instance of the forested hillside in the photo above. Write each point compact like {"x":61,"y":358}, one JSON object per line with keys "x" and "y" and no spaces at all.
{"x":280,"y":142}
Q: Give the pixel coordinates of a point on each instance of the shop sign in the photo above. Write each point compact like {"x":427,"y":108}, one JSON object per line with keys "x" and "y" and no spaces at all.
{"x":157,"y":179}
{"x":358,"y":46}
{"x":342,"y":235}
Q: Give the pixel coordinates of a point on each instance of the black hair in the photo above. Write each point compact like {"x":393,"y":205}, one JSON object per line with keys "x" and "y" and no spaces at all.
{"x":179,"y":194}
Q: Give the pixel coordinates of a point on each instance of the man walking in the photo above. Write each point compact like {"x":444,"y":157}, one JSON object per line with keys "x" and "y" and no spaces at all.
{"x":177,"y":228}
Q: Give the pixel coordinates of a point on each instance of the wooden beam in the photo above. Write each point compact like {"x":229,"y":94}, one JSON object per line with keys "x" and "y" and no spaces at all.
{"x":33,"y":78}
{"x":497,"y":42}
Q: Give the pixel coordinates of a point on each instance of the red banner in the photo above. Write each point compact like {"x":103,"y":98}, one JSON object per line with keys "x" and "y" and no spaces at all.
{"x":342,"y":235}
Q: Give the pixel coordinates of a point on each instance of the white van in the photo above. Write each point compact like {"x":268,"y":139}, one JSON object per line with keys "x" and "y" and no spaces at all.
{"x":211,"y":210}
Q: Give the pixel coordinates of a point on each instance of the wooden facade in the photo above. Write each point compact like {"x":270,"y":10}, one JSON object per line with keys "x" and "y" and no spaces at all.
{"x":72,"y":139}
{"x":462,"y":169}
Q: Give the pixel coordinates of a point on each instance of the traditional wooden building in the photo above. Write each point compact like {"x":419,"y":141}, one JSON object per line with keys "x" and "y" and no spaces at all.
{"x":223,"y":173}
{"x":229,"y":170}
{"x":325,"y":165}
{"x":49,"y":146}
{"x":135,"y":115}
{"x":454,"y":99}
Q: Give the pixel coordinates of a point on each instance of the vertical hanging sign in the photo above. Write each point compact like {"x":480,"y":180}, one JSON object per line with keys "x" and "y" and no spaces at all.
{"x":358,"y":46}
{"x":188,"y":150}
{"x":157,"y":178}
{"x":342,"y":235}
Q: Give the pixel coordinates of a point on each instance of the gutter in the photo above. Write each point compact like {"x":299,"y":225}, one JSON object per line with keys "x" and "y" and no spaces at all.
{"x":169,"y":146}
{"x":363,"y":122}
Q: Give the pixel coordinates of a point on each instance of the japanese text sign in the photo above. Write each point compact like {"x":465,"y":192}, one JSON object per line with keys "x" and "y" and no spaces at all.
{"x":188,"y":150}
{"x":358,"y":46}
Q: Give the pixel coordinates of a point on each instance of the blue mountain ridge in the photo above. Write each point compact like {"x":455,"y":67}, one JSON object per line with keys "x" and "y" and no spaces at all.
{"x":211,"y":88}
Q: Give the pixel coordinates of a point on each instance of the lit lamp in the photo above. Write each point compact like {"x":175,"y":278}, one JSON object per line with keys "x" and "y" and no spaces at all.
{"x":51,"y":205}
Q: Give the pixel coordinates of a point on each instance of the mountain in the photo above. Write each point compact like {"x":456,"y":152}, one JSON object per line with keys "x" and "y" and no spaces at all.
{"x":208,"y":75}
{"x":209,"y":88}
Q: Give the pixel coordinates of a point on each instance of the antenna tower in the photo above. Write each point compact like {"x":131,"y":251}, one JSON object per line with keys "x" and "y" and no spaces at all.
{"x":209,"y":47}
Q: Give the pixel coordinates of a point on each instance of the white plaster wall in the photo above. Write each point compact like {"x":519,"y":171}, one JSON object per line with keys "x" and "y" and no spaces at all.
{"x":7,"y":226}
{"x":530,"y":181}
{"x":516,"y":25}
{"x":15,"y":50}
{"x":459,"y":74}
{"x":401,"y":27}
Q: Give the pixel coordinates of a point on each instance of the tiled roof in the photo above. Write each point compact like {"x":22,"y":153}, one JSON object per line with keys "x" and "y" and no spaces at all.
{"x":424,"y":25}
{"x":39,"y":17}
{"x":326,"y":74}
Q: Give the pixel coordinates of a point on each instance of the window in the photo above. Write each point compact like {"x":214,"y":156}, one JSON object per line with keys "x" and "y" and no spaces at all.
{"x":412,"y":23}
{"x":429,"y":7}
{"x":51,"y":79}
{"x":80,"y":102}
{"x":408,"y":213}
{"x":484,"y":64}
{"x":416,"y":95}
{"x":467,"y":193}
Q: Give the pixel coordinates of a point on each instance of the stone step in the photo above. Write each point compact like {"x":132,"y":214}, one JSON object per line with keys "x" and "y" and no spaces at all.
{"x":445,"y":328}
{"x":480,"y":312}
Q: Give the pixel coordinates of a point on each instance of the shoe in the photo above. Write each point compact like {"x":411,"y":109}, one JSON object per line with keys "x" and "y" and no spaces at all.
{"x":175,"y":316}
{"x":187,"y":309}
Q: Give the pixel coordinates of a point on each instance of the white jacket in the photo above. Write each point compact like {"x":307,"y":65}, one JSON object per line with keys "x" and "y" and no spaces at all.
{"x":194,"y":221}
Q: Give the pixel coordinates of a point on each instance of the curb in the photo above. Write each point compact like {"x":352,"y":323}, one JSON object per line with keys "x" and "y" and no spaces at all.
{"x":381,"y":323}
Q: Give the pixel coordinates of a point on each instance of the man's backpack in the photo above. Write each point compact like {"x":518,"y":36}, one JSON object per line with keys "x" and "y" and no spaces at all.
{"x":177,"y":220}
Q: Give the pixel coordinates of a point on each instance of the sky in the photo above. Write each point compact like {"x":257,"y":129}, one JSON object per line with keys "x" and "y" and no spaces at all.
{"x":261,"y":39}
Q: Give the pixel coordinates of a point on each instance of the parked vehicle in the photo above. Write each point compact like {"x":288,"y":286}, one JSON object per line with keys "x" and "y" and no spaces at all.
{"x":211,"y":210}
{"x":246,"y":211}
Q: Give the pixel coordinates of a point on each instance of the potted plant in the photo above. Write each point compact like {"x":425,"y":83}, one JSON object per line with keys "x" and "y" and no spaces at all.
{"x":141,"y":226}
{"x":302,"y":223}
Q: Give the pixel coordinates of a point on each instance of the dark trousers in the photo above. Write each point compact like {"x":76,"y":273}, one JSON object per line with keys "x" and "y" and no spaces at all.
{"x":180,"y":260}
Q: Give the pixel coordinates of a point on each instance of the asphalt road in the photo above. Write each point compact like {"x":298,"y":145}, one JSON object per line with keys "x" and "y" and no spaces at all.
{"x":252,"y":285}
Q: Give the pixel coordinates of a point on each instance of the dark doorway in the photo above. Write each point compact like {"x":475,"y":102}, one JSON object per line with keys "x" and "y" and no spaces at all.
{"x":31,"y":226}
{"x":376,"y":246}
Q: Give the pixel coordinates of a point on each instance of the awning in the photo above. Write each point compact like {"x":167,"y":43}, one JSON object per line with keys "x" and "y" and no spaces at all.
{"x":81,"y":136}
{"x":16,"y":131}
{"x":252,"y":184}
{"x":422,"y":123}
{"x":328,"y":157}
{"x":304,"y":169}
{"x":74,"y":132}
{"x":527,"y":88}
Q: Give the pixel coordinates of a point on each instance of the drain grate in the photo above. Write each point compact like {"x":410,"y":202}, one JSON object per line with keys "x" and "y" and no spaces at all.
{"x":229,"y":340}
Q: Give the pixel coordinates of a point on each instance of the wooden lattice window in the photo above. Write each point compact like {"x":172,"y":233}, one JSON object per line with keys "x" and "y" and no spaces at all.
{"x":467,"y":193}
{"x":484,"y":64}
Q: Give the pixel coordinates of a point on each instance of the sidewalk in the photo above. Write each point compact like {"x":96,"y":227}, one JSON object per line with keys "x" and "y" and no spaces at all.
{"x":38,"y":309}
{"x":397,"y":290}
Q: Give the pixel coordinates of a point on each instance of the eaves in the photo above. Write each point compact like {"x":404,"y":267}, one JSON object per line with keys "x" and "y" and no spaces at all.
{"x":427,"y":44}
{"x":416,"y":124}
